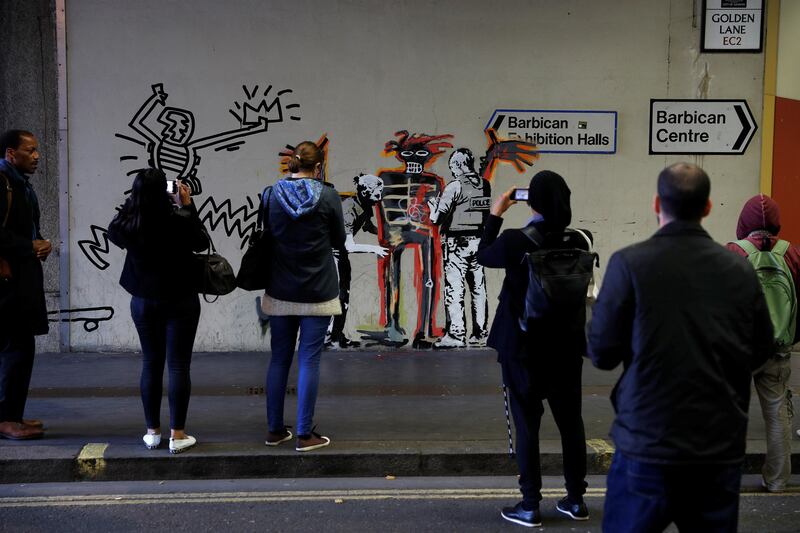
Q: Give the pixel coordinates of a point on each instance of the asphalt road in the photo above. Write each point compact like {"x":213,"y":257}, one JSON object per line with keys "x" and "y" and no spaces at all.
{"x":333,"y":504}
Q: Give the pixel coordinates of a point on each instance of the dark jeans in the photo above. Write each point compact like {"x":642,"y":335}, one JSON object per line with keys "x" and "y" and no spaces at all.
{"x":527,"y":409}
{"x":16,"y":366}
{"x":166,"y":332}
{"x":284,"y":334}
{"x":649,"y":496}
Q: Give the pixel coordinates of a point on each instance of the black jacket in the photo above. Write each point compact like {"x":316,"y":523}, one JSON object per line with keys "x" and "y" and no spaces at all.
{"x":303,"y":269}
{"x":22,"y":302}
{"x":688,"y":321}
{"x":549,"y":344}
{"x":160,"y":264}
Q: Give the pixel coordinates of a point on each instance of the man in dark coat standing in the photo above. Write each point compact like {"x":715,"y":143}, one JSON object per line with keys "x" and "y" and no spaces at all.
{"x":688,"y":321}
{"x":23,"y":314}
{"x":545,"y":361}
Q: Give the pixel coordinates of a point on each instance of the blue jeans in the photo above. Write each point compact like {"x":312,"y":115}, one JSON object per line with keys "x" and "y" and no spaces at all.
{"x":649,"y":496}
{"x":284,"y":331}
{"x":166,"y":332}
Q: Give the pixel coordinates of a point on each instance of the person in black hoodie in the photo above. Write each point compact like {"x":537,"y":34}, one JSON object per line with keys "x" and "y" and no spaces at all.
{"x":545,"y":361}
{"x":161,"y":231}
{"x":305,"y":219}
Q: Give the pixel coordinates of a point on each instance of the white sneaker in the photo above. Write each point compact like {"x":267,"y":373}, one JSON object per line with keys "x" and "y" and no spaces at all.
{"x":449,"y":342}
{"x":181,"y":445}
{"x":477,"y":341}
{"x":152,"y":440}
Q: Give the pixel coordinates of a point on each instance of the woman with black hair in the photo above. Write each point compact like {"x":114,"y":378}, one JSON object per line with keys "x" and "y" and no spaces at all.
{"x":160,"y":231}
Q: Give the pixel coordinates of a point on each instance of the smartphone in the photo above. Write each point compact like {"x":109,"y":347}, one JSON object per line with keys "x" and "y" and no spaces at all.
{"x":520,"y":195}
{"x":172,"y":186}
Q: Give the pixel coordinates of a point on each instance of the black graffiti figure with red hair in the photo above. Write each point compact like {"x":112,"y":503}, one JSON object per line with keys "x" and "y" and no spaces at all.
{"x":404,"y":220}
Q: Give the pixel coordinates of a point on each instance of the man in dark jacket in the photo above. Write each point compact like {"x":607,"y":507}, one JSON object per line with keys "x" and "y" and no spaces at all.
{"x":688,"y":321}
{"x":760,"y":223}
{"x":546,"y":360}
{"x":23,"y":313}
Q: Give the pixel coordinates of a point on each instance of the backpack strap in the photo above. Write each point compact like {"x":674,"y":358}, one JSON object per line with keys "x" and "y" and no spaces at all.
{"x":534,"y":235}
{"x":747,"y":246}
{"x":8,"y":199}
{"x":585,"y":237}
{"x":780,"y":247}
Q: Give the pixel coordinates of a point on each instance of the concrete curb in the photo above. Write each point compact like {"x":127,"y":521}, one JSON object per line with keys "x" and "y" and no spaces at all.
{"x":120,"y":465}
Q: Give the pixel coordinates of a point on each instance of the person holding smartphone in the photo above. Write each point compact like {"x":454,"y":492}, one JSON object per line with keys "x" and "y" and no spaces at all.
{"x":545,"y":360}
{"x":161,"y":232}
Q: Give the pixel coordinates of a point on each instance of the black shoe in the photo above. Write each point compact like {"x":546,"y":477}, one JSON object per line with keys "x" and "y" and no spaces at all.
{"x":422,"y":343}
{"x":576,"y":511}
{"x":519,"y":515}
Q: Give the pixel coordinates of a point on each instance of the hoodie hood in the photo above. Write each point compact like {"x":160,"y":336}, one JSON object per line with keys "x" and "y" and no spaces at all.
{"x":759,"y":213}
{"x":549,"y":196}
{"x":298,"y":196}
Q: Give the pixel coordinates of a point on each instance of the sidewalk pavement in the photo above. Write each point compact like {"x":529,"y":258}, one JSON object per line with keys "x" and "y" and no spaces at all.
{"x":398,"y":413}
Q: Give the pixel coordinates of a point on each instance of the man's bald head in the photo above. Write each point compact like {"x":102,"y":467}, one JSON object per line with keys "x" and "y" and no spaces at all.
{"x":683,"y":190}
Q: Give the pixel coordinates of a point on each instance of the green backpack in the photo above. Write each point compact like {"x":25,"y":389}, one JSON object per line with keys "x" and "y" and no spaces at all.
{"x":778,"y":285}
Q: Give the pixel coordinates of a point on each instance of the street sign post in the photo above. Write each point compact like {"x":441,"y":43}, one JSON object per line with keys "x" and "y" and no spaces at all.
{"x":559,"y":132}
{"x":700,"y":126}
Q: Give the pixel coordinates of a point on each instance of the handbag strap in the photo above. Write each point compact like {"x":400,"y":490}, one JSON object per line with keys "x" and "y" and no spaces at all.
{"x":262,"y":221}
{"x":8,"y":200}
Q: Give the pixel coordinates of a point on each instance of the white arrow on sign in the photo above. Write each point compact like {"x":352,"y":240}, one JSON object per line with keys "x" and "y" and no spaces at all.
{"x":700,"y":126}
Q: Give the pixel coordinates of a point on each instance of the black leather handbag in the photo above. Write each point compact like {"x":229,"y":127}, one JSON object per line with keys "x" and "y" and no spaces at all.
{"x":216,"y":274}
{"x":253,"y":272}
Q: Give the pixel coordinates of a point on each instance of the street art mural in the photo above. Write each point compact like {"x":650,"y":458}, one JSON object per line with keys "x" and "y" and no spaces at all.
{"x":461,"y":212}
{"x":358,"y":209}
{"x":166,"y":135}
{"x":96,"y":249}
{"x":386,"y":213}
{"x":173,"y":148}
{"x":89,"y":317}
{"x":404,"y":222}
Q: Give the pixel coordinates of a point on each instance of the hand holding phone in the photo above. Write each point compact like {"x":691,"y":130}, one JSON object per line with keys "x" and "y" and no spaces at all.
{"x":520,"y":195}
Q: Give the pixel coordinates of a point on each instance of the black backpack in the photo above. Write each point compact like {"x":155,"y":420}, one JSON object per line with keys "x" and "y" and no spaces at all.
{"x":558,"y":277}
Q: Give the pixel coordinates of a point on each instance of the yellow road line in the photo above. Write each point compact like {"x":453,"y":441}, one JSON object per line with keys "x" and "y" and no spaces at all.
{"x":297,"y":496}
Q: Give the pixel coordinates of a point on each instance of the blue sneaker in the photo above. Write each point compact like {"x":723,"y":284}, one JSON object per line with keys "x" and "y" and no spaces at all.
{"x":519,"y":515}
{"x":576,"y":511}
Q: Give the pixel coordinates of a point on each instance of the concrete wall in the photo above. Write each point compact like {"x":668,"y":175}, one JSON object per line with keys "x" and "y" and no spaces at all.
{"x":361,"y":71}
{"x":28,"y":100}
{"x":789,"y":51}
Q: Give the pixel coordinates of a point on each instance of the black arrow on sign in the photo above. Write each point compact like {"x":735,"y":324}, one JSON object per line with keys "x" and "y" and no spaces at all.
{"x":746,"y":128}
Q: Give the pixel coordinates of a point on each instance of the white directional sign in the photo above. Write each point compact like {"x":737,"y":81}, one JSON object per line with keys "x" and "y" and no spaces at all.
{"x":564,"y":132}
{"x":700,"y":126}
{"x":732,"y":25}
